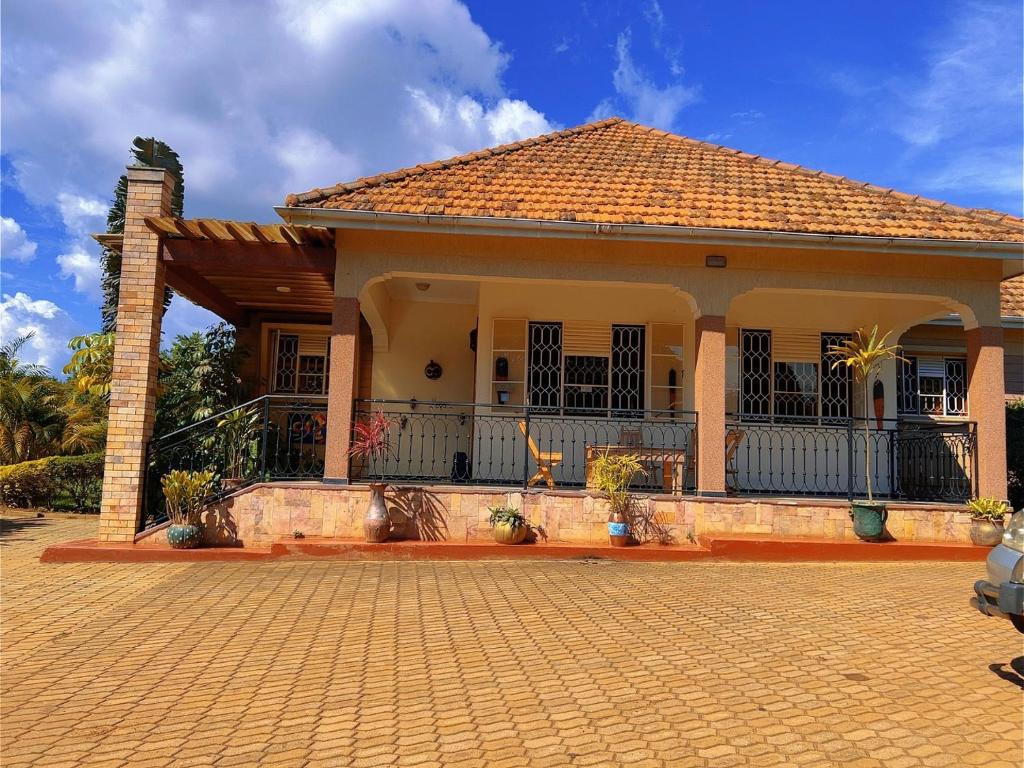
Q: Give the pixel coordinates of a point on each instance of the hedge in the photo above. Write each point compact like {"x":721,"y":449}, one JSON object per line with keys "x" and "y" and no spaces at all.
{"x":60,"y":482}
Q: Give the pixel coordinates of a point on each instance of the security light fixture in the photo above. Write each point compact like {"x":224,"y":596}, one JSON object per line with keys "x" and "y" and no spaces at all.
{"x":712,"y":260}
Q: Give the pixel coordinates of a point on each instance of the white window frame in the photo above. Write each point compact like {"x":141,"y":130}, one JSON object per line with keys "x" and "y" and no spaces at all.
{"x":945,"y":360}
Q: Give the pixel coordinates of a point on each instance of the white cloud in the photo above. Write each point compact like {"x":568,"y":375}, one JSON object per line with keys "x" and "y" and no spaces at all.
{"x":84,"y":268}
{"x":639,"y":96}
{"x":272,"y":97}
{"x":14,"y":243}
{"x":81,"y":215}
{"x":971,"y":78}
{"x":51,"y":326}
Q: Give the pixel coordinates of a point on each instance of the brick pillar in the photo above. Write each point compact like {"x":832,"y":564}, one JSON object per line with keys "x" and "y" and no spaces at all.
{"x":342,"y":387}
{"x":709,"y":401}
{"x":985,"y":397}
{"x":136,"y":355}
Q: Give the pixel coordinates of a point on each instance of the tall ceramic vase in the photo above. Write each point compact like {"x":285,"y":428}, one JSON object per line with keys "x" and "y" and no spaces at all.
{"x":377,"y":524}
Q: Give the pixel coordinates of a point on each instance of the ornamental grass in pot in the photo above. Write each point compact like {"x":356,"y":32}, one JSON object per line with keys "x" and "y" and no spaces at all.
{"x":863,"y":355}
{"x":370,"y":442}
{"x":612,"y":475}
{"x":987,"y":521}
{"x":185,"y":495}
{"x":508,"y":525}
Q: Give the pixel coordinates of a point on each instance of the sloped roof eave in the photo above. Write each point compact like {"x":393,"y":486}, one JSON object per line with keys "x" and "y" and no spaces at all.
{"x":345,"y":218}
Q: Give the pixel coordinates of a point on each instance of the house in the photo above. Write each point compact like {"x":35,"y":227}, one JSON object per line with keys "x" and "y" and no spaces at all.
{"x":517,"y":311}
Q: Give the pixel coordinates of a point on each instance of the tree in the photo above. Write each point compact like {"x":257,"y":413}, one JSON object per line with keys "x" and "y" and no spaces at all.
{"x":201,"y":378}
{"x":92,"y":363}
{"x":31,"y":422}
{"x":151,"y":153}
{"x":864,"y":354}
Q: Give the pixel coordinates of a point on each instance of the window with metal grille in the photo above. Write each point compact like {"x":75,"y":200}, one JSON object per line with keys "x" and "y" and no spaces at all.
{"x":300,"y":364}
{"x":796,"y":389}
{"x":628,"y":380}
{"x":755,"y":373}
{"x":545,"y":356}
{"x":932,"y":386}
{"x":789,"y":374}
{"x":587,"y":368}
{"x":836,"y":380}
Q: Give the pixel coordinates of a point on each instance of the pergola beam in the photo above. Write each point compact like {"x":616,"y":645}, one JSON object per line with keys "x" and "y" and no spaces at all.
{"x":200,"y":291}
{"x":225,"y":256}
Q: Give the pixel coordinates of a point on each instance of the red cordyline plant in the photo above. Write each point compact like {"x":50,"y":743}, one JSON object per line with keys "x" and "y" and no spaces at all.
{"x":370,"y":437}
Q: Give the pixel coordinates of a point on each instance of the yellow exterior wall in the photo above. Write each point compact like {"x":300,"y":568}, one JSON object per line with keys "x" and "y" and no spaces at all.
{"x":969,"y":286}
{"x":421,"y":332}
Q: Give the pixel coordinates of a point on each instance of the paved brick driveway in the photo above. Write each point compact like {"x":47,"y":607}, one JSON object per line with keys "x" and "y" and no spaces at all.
{"x":303,"y":663}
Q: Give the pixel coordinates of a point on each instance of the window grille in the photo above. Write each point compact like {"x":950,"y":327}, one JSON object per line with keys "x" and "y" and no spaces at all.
{"x":836,"y":382}
{"x":628,"y":380}
{"x":930,"y":386}
{"x":756,"y":373}
{"x":301,"y":363}
{"x":545,"y":356}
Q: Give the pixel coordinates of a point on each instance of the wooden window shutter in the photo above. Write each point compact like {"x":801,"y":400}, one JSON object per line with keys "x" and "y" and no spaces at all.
{"x":796,"y":345}
{"x":312,"y":345}
{"x":585,"y":338}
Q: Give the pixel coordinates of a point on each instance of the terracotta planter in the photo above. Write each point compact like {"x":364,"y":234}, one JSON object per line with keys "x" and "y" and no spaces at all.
{"x":377,"y":523}
{"x":184,"y":536}
{"x":985,"y":532}
{"x":869,"y":520}
{"x":504,"y":533}
{"x":618,"y":529}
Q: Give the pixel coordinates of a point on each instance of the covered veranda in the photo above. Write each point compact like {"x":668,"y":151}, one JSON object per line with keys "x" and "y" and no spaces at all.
{"x":650,"y":359}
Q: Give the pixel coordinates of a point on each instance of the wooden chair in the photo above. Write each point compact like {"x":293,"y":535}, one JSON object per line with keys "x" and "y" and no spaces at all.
{"x":733,"y":438}
{"x":546,"y":461}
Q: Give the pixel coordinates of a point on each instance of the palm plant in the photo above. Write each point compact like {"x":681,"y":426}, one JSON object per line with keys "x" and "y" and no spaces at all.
{"x":92,"y":363}
{"x":863,"y":355}
{"x":30,"y":418}
{"x":238,"y":430}
{"x":613,"y":474}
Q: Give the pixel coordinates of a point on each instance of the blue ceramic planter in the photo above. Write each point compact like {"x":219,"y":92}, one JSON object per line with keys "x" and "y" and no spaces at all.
{"x":184,"y":536}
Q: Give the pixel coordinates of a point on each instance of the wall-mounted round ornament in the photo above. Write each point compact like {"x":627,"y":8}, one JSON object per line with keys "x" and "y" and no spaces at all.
{"x":433,"y":371}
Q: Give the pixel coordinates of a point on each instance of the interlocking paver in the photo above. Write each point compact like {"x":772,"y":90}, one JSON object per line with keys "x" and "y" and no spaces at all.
{"x":324,"y":663}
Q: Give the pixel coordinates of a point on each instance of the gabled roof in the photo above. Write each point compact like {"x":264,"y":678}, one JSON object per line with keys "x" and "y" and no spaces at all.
{"x":618,"y":172}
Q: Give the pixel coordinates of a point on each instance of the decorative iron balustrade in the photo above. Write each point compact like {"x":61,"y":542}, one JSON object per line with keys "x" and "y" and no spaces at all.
{"x":475,"y":444}
{"x":275,"y":437}
{"x":794,"y":456}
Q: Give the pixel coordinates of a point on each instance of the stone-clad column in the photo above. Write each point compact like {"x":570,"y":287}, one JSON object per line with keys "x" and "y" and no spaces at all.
{"x":136,"y":355}
{"x":342,"y":387}
{"x":987,"y":407}
{"x":709,"y":402}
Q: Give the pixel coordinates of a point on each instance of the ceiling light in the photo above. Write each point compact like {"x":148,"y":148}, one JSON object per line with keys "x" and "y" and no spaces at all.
{"x":283,"y":289}
{"x":422,"y":286}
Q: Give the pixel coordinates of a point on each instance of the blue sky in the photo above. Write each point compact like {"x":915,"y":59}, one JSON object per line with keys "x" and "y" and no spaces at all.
{"x":921,"y":96}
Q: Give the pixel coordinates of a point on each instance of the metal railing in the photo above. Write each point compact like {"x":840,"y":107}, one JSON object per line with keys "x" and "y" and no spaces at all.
{"x":274,"y":437}
{"x":910,"y":460}
{"x":475,"y":444}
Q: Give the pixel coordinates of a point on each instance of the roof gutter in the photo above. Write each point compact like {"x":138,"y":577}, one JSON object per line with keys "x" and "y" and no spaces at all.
{"x":487,"y":225}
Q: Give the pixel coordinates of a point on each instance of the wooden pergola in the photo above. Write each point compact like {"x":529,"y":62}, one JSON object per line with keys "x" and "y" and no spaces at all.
{"x":235,"y":268}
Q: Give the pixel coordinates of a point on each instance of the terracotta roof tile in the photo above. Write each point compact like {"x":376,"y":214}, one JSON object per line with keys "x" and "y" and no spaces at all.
{"x":615,"y":171}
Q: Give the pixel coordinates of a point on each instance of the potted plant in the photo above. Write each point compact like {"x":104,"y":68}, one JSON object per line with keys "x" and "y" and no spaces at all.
{"x":185,"y":494}
{"x":987,"y":521}
{"x":612,"y":475}
{"x":238,"y":433}
{"x":864,"y":354}
{"x":508,"y":525}
{"x":370,"y":443}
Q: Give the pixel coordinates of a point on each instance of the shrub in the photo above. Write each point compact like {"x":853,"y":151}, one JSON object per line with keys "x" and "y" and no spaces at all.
{"x":69,"y":482}
{"x":1015,"y":452}
{"x":987,"y":509}
{"x":185,"y":493}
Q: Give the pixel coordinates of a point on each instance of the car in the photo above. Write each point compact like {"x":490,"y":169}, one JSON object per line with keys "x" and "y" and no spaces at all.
{"x":1002,"y":593}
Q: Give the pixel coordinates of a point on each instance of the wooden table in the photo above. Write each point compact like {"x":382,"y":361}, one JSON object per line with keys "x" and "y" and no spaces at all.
{"x":672,"y":460}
